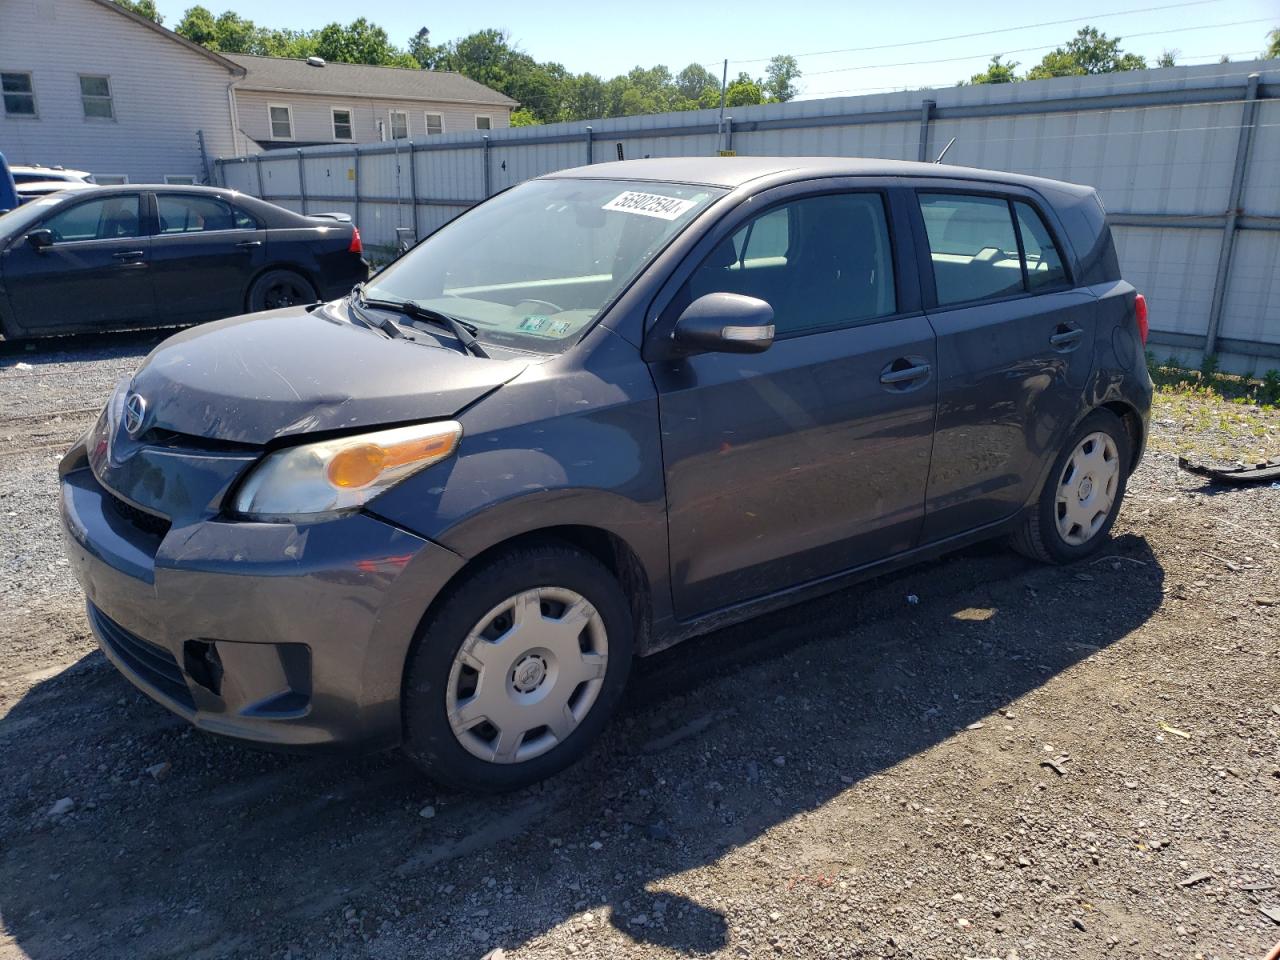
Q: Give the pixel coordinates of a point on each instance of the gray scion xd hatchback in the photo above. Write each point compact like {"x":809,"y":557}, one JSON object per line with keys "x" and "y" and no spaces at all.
{"x":602,"y":411}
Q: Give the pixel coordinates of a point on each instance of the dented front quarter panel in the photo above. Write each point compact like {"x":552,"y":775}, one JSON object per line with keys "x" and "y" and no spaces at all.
{"x":572,"y":442}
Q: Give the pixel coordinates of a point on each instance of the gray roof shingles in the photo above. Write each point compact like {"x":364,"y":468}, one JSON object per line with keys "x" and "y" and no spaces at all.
{"x":276,"y":74}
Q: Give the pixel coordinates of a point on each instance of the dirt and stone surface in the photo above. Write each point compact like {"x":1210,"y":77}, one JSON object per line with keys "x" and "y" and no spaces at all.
{"x":1027,"y":762}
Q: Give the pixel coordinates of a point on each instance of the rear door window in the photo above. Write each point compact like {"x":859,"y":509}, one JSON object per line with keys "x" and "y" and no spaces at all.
{"x":1044,"y":262}
{"x":820,"y":262}
{"x":973,"y":246}
{"x":108,"y":218}
{"x":189,"y":214}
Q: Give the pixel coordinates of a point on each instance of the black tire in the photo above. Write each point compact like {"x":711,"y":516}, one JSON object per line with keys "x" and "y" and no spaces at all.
{"x":279,"y":288}
{"x":429,"y":739}
{"x":1039,"y":536}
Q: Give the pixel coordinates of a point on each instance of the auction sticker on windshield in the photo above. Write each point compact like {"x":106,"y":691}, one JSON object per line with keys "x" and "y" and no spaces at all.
{"x":650,"y":205}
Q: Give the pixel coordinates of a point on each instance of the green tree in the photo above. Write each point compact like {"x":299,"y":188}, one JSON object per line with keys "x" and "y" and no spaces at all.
{"x":586,"y":98}
{"x":998,"y":71}
{"x":428,"y":55}
{"x":1089,"y":52}
{"x":145,"y":8}
{"x":358,"y":42}
{"x":693,"y":80}
{"x":523,"y":118}
{"x":743,"y":92}
{"x":780,"y":78}
{"x":199,"y":25}
{"x":234,"y":34}
{"x":1273,"y":45}
{"x":1168,"y":58}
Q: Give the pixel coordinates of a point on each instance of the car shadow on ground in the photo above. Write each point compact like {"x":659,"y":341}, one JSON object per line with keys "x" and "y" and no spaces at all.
{"x":88,"y":346}
{"x":181,"y":845}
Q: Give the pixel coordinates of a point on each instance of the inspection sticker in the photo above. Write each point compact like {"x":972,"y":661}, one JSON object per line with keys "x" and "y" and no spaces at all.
{"x":649,"y":205}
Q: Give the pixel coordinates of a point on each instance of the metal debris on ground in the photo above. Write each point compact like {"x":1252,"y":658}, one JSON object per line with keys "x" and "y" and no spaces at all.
{"x":1195,"y":878}
{"x":1262,"y":471}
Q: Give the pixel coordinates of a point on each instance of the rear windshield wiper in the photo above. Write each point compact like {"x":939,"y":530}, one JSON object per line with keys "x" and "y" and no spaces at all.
{"x":464,"y":332}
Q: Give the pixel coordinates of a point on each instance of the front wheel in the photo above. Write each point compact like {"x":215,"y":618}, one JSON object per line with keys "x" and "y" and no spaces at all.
{"x":518,"y":670}
{"x":1082,"y":494}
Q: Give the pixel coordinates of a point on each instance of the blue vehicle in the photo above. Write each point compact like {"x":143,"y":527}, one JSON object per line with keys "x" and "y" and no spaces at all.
{"x":8,"y":190}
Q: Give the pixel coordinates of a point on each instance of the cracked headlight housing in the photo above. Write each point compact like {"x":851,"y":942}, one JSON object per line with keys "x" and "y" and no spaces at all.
{"x":334,"y":476}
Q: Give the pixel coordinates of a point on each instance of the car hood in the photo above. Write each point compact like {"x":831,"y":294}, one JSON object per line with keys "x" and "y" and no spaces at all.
{"x":261,"y":377}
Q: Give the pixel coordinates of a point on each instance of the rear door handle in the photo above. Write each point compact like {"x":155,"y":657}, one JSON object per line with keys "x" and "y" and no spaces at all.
{"x":246,"y":244}
{"x":896,"y":375}
{"x":1066,"y":337}
{"x":129,"y":256}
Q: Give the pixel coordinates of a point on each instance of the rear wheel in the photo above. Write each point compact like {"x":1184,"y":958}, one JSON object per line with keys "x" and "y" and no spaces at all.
{"x":518,"y":670}
{"x":280,"y":288}
{"x":1082,"y":494}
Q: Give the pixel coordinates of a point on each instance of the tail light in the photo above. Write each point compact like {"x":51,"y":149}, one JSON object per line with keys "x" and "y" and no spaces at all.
{"x":1140,"y":311}
{"x":358,"y":247}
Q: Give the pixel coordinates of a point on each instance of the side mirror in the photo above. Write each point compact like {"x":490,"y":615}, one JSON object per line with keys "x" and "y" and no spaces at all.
{"x":725,"y":323}
{"x":40,"y":238}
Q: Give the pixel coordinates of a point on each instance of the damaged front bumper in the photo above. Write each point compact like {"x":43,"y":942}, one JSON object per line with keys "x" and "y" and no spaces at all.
{"x":291,"y":635}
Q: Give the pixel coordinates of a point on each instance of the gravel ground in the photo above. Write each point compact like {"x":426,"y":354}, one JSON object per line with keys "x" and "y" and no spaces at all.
{"x":1029,"y":762}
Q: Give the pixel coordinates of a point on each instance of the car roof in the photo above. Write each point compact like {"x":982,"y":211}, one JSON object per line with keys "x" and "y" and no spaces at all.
{"x":71,"y":186}
{"x":225,"y":192}
{"x":731,"y":172}
{"x":54,"y":172}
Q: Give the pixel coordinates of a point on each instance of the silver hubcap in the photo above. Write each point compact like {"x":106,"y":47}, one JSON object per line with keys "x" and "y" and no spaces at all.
{"x":1087,"y":488}
{"x":527,"y":675}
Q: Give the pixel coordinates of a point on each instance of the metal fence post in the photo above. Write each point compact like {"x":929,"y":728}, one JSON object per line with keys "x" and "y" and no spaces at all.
{"x":485,"y":161}
{"x":591,"y":153}
{"x":302,"y":181}
{"x":257,"y":163}
{"x":926,"y":115}
{"x":413,"y":189}
{"x":1248,"y":112}
{"x":355,"y":183}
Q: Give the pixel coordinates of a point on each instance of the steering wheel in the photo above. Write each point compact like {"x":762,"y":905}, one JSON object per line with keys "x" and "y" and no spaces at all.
{"x":550,"y":308}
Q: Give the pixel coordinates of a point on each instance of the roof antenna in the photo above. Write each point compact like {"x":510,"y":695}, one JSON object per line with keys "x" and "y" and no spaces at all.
{"x":945,"y":149}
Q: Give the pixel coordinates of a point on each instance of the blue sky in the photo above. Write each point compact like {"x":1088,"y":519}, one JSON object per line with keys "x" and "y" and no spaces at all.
{"x":589,"y":36}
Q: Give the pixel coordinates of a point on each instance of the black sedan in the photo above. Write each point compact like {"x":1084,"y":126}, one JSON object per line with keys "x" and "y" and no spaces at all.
{"x":139,"y":255}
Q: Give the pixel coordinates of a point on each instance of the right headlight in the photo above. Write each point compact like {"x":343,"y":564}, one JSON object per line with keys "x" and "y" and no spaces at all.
{"x":341,"y":474}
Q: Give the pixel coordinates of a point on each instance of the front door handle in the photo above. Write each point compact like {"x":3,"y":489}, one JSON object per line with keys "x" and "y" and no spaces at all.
{"x":129,"y":256}
{"x":246,"y":244}
{"x":1066,"y":337}
{"x":904,"y":370}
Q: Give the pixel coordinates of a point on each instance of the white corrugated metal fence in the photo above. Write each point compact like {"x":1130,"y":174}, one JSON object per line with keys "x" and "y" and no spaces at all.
{"x":1187,"y":160}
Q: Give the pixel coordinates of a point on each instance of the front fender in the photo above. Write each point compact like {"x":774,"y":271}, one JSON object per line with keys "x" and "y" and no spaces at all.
{"x":564,"y":444}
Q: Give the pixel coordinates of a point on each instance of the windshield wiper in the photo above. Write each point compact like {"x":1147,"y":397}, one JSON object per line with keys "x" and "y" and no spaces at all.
{"x":463,"y":331}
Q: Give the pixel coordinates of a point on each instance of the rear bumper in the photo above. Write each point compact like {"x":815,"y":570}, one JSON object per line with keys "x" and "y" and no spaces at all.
{"x":286,"y":635}
{"x":337,"y":280}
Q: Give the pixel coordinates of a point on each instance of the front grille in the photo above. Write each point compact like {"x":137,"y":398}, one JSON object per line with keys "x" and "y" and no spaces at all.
{"x":146,"y":522}
{"x":154,"y":665}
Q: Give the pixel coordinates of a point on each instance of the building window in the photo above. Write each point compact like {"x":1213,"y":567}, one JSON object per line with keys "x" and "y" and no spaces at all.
{"x":19,"y":95}
{"x":180,"y":179}
{"x":399,"y":124}
{"x":281,"y":115}
{"x":484,"y":122}
{"x":435,"y":123}
{"x":341,"y":123}
{"x":110,"y":179}
{"x":95,"y":94}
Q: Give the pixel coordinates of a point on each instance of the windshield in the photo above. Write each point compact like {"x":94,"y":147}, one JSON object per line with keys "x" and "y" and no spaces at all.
{"x":19,"y":218}
{"x":536,"y":265}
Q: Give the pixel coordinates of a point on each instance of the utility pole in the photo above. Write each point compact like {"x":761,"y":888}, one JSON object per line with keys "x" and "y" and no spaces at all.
{"x":724,"y":84}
